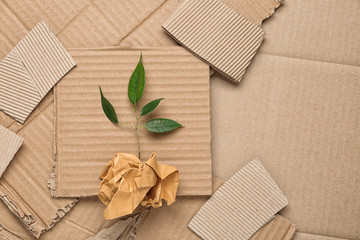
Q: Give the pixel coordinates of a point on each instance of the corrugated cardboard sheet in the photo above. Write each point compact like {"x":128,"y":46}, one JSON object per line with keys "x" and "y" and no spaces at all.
{"x":240,"y":207}
{"x":23,"y":185}
{"x":217,"y":34}
{"x":30,"y":70}
{"x":86,"y":140}
{"x":171,"y":221}
{"x":296,"y":107}
{"x":9,"y":145}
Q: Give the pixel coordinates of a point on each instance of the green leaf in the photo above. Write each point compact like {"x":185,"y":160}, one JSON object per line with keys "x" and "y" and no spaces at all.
{"x":108,"y":108}
{"x":148,"y":108}
{"x":160,"y":125}
{"x":137,"y":83}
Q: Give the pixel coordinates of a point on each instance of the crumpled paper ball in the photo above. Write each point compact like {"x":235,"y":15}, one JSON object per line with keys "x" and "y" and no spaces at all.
{"x":127,"y":182}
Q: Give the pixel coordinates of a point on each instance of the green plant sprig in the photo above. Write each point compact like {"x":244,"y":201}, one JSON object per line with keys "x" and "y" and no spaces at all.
{"x":135,"y":91}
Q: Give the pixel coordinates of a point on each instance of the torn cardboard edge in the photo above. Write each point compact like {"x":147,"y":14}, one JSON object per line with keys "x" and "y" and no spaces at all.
{"x":30,"y":70}
{"x":26,"y":215}
{"x":9,"y":145}
{"x":13,"y":189}
{"x":217,"y":35}
{"x":278,"y":228}
{"x":254,"y":198}
{"x":154,"y":53}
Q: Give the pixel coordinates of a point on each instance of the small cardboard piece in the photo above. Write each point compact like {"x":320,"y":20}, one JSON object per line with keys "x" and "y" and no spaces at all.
{"x":30,"y":200}
{"x":30,"y":70}
{"x":241,"y":206}
{"x":86,"y":140}
{"x":171,"y":221}
{"x":9,"y":145}
{"x":216,"y":34}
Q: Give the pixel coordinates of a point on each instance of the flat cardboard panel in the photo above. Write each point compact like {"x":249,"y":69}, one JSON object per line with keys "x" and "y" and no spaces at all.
{"x":56,"y":13}
{"x":9,"y":145}
{"x":30,"y":70}
{"x":325,"y":31}
{"x":30,"y":200}
{"x":217,"y":34}
{"x":241,"y":206}
{"x":105,"y":22}
{"x":301,"y":118}
{"x":86,"y":140}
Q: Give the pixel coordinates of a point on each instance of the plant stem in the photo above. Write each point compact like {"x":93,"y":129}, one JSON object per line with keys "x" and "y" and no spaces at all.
{"x":137,"y":135}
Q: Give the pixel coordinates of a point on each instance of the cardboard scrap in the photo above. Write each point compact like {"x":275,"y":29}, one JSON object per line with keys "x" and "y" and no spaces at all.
{"x":216,"y":34}
{"x":30,"y":70}
{"x":126,"y":183}
{"x":30,"y":200}
{"x":172,"y":221}
{"x":86,"y":140}
{"x":9,"y":145}
{"x":240,"y":207}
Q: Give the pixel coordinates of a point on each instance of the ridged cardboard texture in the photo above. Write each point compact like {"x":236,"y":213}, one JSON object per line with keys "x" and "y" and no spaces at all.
{"x":172,"y":221}
{"x":86,"y":140}
{"x":308,"y":45}
{"x":30,"y":70}
{"x":29,"y":199}
{"x":241,"y":206}
{"x":9,"y":145}
{"x":216,"y":34}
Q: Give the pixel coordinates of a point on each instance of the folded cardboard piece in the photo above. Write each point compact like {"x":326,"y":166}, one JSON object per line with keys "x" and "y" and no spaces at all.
{"x":30,"y":70}
{"x":86,"y":140}
{"x":216,"y":34}
{"x":23,"y":185}
{"x":9,"y":145}
{"x":241,"y":206}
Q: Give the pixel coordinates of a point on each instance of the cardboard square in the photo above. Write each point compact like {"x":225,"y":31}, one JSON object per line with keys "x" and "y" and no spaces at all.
{"x":216,"y":34}
{"x":86,"y":140}
{"x":9,"y":145}
{"x":23,"y":186}
{"x":30,"y":70}
{"x":238,"y":209}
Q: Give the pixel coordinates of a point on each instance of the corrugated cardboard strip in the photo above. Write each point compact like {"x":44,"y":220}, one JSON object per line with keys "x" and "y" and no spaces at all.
{"x":86,"y":140}
{"x":23,"y":186}
{"x":245,"y":203}
{"x":217,"y":34}
{"x":9,"y":145}
{"x":30,"y":70}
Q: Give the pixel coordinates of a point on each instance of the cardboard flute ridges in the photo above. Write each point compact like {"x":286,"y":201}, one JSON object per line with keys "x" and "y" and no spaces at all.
{"x":216,"y":34}
{"x":23,"y":186}
{"x":245,"y":203}
{"x":30,"y":70}
{"x":86,"y":140}
{"x":9,"y":145}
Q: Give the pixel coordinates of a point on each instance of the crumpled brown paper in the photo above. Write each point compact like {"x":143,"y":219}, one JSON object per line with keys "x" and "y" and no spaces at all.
{"x":126,"y":183}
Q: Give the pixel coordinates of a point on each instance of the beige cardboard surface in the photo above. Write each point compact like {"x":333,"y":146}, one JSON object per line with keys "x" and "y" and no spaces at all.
{"x":216,"y":34}
{"x":29,"y":199}
{"x":86,"y":140}
{"x":30,"y":70}
{"x":9,"y":145}
{"x":173,"y":220}
{"x":303,"y":121}
{"x":320,"y":31}
{"x":241,"y":206}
